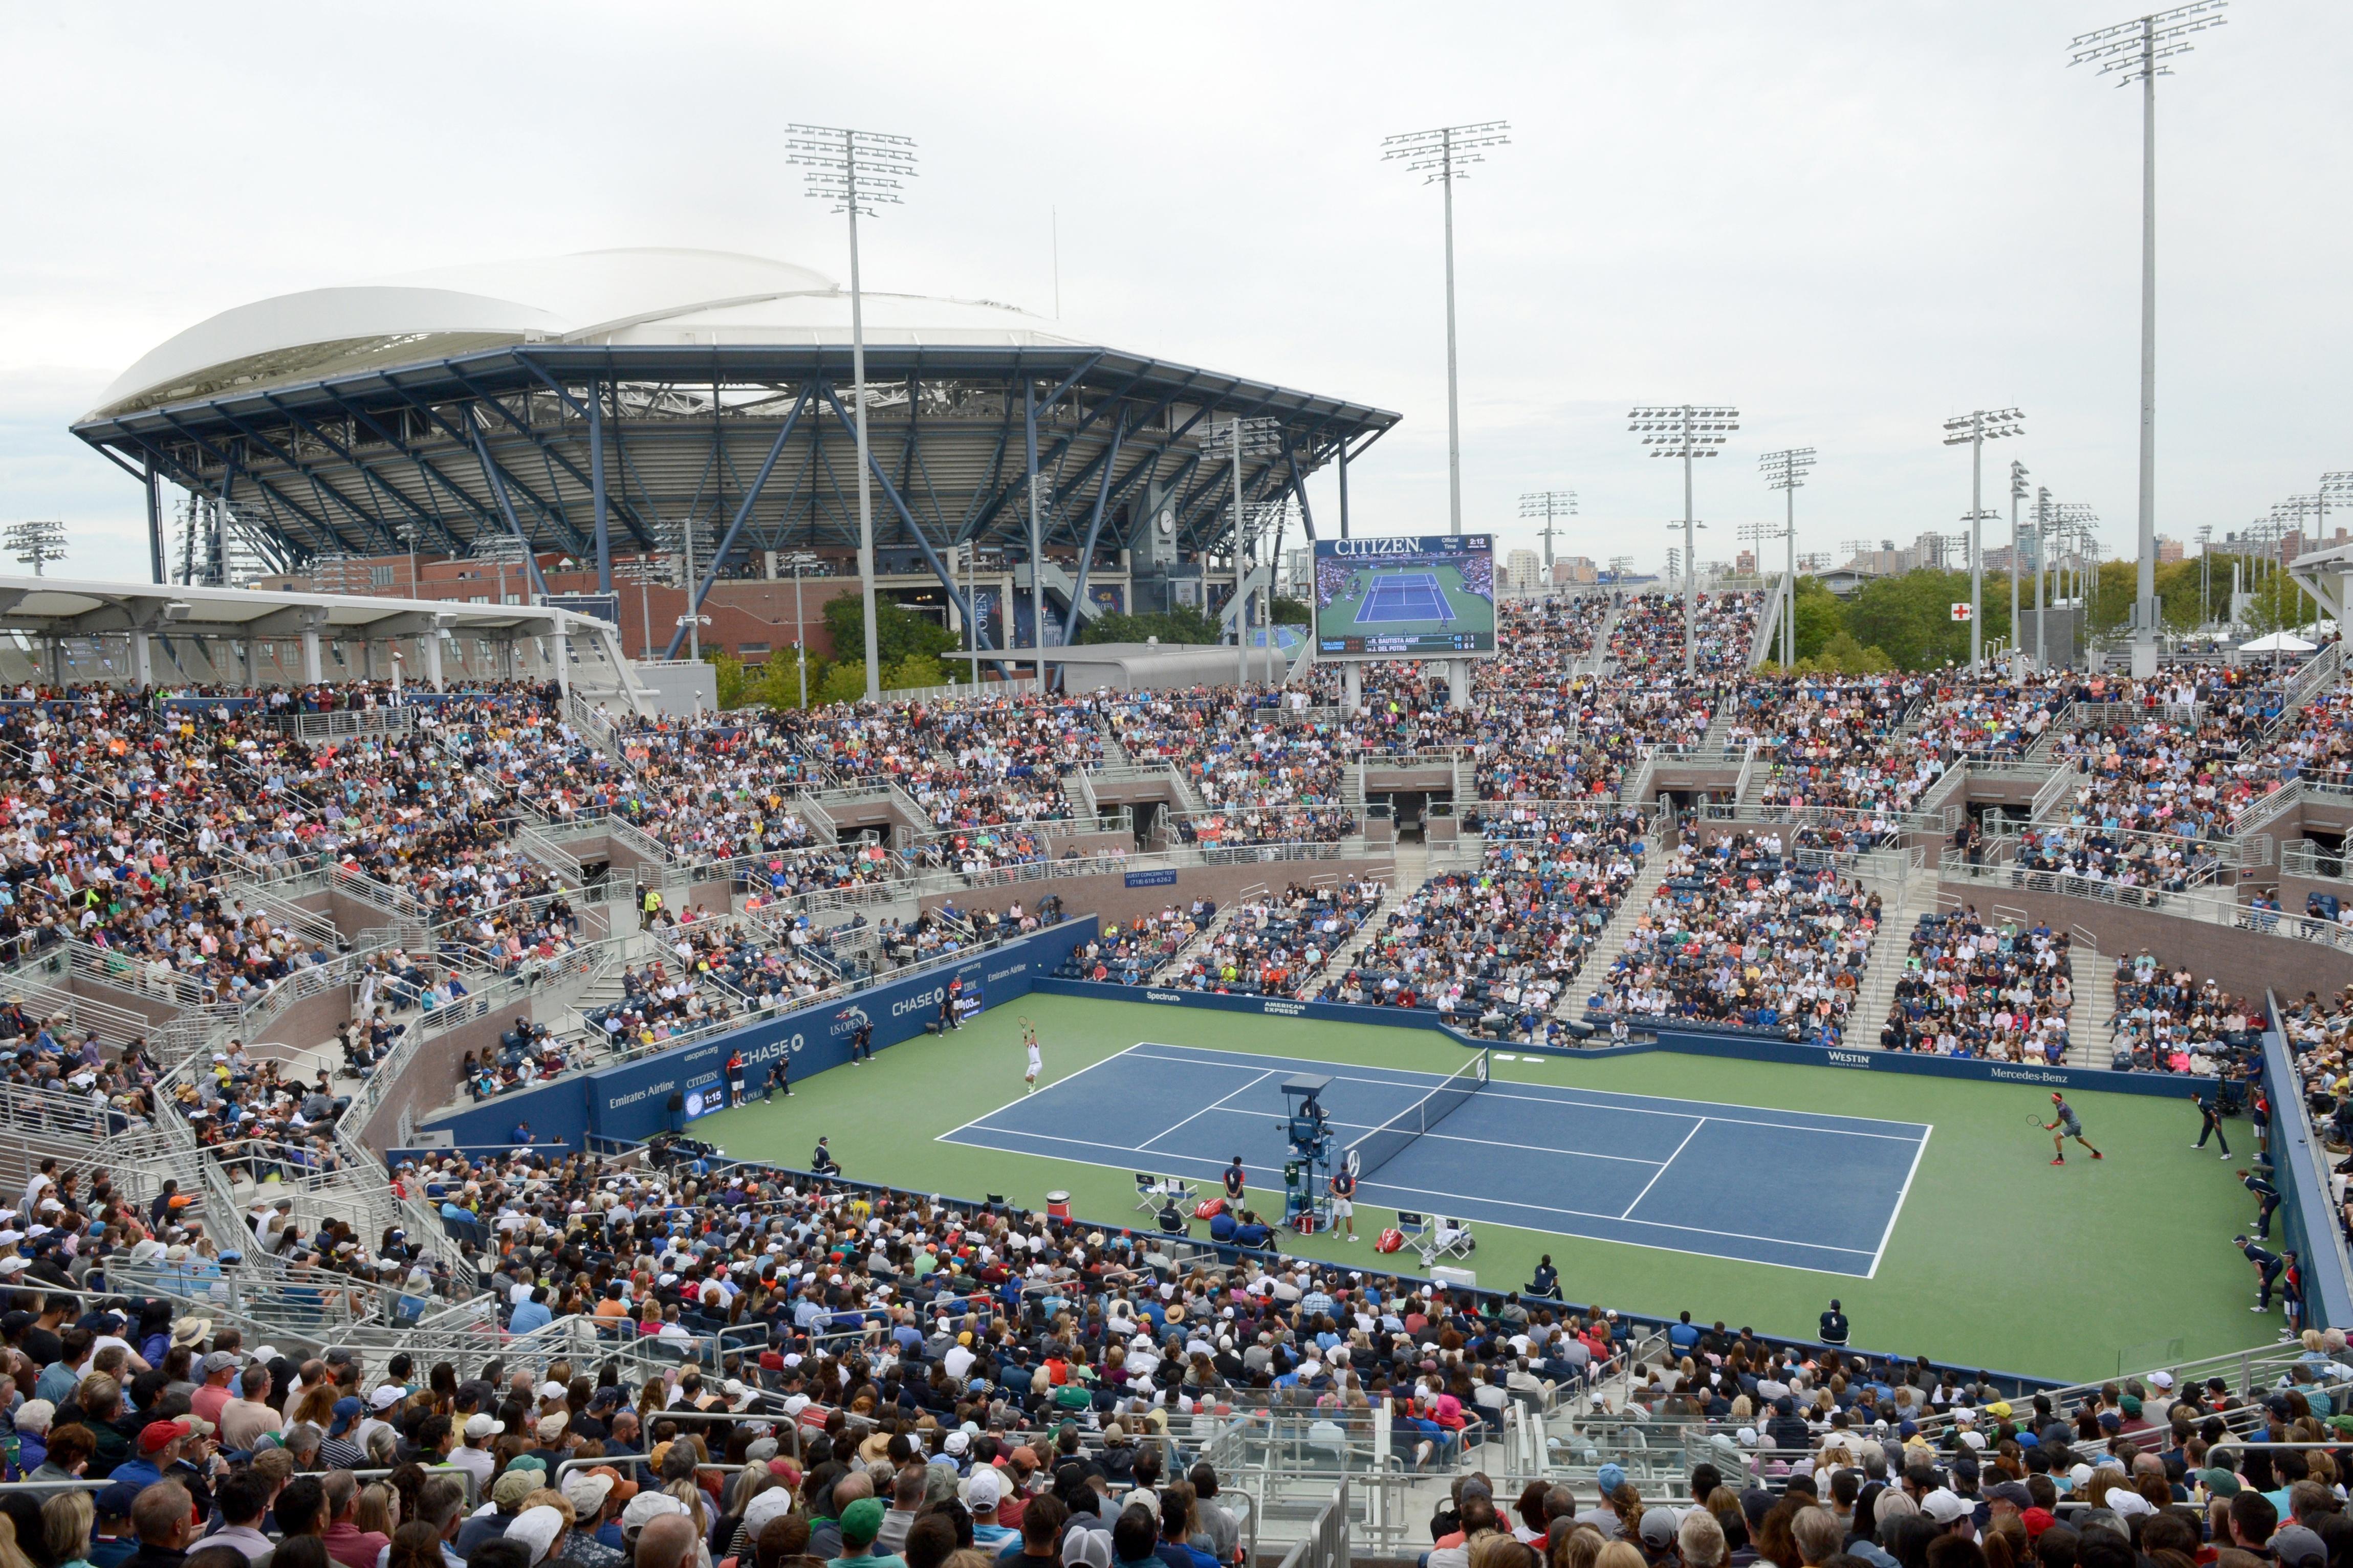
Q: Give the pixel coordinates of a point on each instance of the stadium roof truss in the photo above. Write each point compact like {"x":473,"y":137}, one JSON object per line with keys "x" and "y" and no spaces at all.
{"x":589,"y":449}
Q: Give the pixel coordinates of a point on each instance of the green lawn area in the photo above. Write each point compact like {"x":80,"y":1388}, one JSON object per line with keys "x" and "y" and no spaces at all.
{"x":1998,"y":1259}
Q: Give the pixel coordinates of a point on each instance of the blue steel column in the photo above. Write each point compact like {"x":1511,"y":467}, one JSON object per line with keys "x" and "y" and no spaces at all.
{"x":154,"y":527}
{"x":597,"y":485}
{"x":1036,"y":551}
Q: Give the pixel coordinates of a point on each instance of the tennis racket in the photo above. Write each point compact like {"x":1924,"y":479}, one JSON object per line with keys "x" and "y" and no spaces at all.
{"x":2034,"y":1119}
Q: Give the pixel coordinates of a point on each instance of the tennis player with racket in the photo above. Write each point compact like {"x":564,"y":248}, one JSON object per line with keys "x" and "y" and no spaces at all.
{"x":2063,"y":1126}
{"x":1037,"y":1063}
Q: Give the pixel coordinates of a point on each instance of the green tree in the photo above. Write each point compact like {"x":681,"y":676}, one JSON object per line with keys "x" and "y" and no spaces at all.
{"x":845,"y":681}
{"x":1841,"y":655}
{"x":915,"y":670}
{"x":1821,"y":617}
{"x":1910,"y":616}
{"x":779,"y":684}
{"x":1291,"y":613}
{"x":899,"y":633}
{"x":732,"y":680}
{"x":1182,"y":624}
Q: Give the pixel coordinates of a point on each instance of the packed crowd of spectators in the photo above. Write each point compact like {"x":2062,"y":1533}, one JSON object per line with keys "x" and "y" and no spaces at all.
{"x":1137,"y":952}
{"x":1495,"y":949}
{"x":2137,"y":864}
{"x":1834,"y":742}
{"x":2167,"y":1020}
{"x":1649,"y":635}
{"x":1739,"y":936}
{"x":1277,"y":944}
{"x":1970,"y":989}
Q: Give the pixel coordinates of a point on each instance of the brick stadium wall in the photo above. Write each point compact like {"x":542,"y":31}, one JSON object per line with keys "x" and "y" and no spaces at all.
{"x":1109,"y":896}
{"x":2244,"y":962}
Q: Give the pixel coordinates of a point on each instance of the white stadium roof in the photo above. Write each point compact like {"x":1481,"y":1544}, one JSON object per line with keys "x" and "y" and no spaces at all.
{"x":654,"y":297}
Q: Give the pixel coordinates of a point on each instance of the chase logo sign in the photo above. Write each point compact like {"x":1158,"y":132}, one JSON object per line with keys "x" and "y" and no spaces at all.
{"x":918,"y":1001}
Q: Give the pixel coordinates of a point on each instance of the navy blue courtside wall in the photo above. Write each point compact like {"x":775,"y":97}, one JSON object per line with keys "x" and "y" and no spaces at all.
{"x":2307,"y":1213}
{"x":1698,"y":1042}
{"x":632,"y":1101}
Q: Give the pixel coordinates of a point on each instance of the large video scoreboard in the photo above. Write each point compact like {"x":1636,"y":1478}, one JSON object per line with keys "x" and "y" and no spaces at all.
{"x":1431,"y":597}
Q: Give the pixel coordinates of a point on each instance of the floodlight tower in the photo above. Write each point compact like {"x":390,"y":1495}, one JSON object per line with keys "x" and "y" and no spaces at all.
{"x":1973,"y":430}
{"x":2042,"y":570}
{"x":2073,"y":522}
{"x":2287,"y":518}
{"x":34,"y":543}
{"x":2205,"y":572}
{"x":1442,"y":157}
{"x":859,"y":171}
{"x":2334,"y":490}
{"x":1547,"y":505}
{"x":2017,"y":494}
{"x":1686,"y":431}
{"x":1786,"y":471}
{"x":2135,"y":51}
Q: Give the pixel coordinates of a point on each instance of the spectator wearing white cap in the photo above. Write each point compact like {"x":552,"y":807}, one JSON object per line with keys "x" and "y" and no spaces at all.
{"x":982,"y":1494}
{"x":475,"y":1457}
{"x":1950,"y":1513}
{"x":589,"y":1493}
{"x":537,"y":1531}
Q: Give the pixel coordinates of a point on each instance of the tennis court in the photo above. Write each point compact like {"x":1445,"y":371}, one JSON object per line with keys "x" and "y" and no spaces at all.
{"x":1784,"y":1187}
{"x":1404,"y":596}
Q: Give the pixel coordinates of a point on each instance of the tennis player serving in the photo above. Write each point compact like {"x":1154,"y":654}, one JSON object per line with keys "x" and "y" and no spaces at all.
{"x":1037,"y":1063}
{"x":2063,"y":1126}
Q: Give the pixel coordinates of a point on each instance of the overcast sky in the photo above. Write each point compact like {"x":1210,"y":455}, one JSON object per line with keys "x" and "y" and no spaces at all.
{"x":1850,"y":220}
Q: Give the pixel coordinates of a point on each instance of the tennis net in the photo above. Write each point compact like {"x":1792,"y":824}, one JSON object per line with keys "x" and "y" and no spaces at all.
{"x":1393,"y":1137}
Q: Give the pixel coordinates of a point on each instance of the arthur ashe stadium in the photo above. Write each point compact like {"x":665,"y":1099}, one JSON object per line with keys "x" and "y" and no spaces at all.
{"x":595,"y":405}
{"x":1629,"y":1078}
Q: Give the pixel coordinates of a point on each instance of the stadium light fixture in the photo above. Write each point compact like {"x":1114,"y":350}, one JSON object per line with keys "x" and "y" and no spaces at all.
{"x":2042,"y":570}
{"x":35,"y":543}
{"x":2135,"y":51}
{"x":2017,"y":643}
{"x":858,"y":172}
{"x":2074,"y":524}
{"x":1687,"y":431}
{"x":1442,"y":156}
{"x":1786,"y":471}
{"x":1547,"y":505}
{"x":2287,"y":522}
{"x":1973,"y":430}
{"x":2334,"y":489}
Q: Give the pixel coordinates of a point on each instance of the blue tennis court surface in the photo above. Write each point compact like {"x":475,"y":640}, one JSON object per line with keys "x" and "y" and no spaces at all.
{"x":1405,"y":597}
{"x":1783,"y":1187}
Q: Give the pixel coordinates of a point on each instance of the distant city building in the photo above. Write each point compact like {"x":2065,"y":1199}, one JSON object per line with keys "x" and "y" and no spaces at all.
{"x":1522,"y":570}
{"x":2167,"y":550}
{"x":1745,"y":564}
{"x":1570,"y":569}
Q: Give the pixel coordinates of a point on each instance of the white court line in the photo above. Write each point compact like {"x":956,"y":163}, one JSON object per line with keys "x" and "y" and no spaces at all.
{"x":1901,"y":1193}
{"x":1616,"y":1219}
{"x":1565,"y":1096}
{"x":1446,"y":1137}
{"x":1129,"y":1166}
{"x":1056,"y":1084}
{"x":1662,"y":1169}
{"x":1547,"y":1094}
{"x":1204,"y":1111}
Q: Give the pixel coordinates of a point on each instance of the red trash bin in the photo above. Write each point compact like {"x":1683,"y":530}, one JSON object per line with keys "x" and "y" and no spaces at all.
{"x":1057,"y":1206}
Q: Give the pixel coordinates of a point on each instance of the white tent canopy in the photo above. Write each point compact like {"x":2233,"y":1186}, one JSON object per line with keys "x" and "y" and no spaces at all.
{"x":2278,"y":642}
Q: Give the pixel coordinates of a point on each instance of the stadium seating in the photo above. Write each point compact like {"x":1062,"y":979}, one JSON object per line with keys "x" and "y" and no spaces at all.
{"x":158,"y":845}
